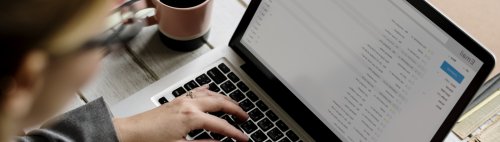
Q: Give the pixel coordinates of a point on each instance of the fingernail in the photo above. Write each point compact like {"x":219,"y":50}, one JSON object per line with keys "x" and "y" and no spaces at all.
{"x":206,"y":86}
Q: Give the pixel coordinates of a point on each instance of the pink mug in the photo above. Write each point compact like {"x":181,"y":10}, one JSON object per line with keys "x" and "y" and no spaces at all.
{"x":183,"y":29}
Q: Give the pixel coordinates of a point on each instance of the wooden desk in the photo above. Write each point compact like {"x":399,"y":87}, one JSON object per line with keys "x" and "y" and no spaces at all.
{"x":145,"y":59}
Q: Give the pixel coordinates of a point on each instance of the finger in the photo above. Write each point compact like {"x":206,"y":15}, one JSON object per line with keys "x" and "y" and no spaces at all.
{"x":216,"y":104}
{"x":199,"y":91}
{"x":221,"y":126}
{"x":223,"y":96}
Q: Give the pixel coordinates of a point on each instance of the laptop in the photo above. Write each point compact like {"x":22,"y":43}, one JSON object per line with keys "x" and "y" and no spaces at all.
{"x":335,"y":70}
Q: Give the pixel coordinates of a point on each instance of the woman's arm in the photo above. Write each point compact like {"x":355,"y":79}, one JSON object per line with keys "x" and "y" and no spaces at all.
{"x":170,"y":122}
{"x":89,"y":123}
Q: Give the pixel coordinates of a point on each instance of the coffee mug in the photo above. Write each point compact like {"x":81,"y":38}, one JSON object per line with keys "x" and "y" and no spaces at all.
{"x":183,"y":24}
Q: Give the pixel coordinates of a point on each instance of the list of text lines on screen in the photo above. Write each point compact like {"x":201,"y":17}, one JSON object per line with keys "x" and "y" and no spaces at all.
{"x":367,"y":68}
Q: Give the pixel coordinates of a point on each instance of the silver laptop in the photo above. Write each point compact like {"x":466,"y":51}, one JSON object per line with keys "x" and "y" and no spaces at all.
{"x":335,"y":70}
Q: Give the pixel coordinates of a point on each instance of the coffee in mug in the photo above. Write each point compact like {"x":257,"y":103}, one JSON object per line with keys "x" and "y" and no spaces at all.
{"x":182,"y":3}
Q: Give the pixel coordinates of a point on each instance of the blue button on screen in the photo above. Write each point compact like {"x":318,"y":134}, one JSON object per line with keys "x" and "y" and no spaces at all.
{"x":452,"y":72}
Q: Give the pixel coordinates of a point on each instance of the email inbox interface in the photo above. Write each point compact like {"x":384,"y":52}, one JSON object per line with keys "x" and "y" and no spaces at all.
{"x":371,"y":70}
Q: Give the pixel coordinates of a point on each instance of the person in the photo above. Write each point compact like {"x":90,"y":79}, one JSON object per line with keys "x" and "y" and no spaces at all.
{"x":44,"y":64}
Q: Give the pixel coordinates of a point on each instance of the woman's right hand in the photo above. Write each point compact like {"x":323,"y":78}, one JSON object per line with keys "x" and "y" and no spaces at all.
{"x":174,"y":120}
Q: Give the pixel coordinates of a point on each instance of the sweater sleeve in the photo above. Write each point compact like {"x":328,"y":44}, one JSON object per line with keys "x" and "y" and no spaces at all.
{"x":89,"y":123}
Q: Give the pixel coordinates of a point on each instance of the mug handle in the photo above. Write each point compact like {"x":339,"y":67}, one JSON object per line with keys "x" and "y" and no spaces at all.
{"x":151,"y":20}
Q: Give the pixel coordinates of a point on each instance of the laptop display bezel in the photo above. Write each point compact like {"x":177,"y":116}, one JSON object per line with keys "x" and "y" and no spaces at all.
{"x":311,"y":123}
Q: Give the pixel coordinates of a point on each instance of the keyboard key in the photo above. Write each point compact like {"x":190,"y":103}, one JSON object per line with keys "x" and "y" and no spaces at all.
{"x":285,"y":140}
{"x":178,"y":92}
{"x":202,"y":136}
{"x":261,"y":106}
{"x":162,"y":100}
{"x":213,"y":87}
{"x":217,"y":136}
{"x":237,"y":96}
{"x":259,"y":136}
{"x":237,"y":120}
{"x":216,"y":75}
{"x":265,"y":124}
{"x":191,"y":85}
{"x":243,"y":87}
{"x":256,"y":115}
{"x":252,"y":96}
{"x":248,"y":127}
{"x":292,"y":136}
{"x":195,"y":132}
{"x":246,"y":105}
{"x":227,"y":86}
{"x":229,"y":120}
{"x":270,"y":114}
{"x":282,"y":125}
{"x":275,"y":134}
{"x":233,"y":77}
{"x":203,"y":79}
{"x":224,"y":68}
{"x":227,"y":140}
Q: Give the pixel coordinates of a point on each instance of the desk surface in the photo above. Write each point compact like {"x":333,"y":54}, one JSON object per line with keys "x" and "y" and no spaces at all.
{"x":145,"y":60}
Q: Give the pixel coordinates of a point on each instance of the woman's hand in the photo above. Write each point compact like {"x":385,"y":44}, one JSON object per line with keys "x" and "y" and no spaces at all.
{"x":172,"y":121}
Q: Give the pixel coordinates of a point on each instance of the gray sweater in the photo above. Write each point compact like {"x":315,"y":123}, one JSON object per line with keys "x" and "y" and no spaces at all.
{"x":89,"y":123}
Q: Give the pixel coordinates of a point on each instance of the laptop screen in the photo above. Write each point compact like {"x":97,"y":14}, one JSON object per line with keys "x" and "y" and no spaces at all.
{"x":370,"y":70}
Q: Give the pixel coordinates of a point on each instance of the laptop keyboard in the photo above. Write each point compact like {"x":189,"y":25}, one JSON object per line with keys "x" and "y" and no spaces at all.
{"x":263,"y":124}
